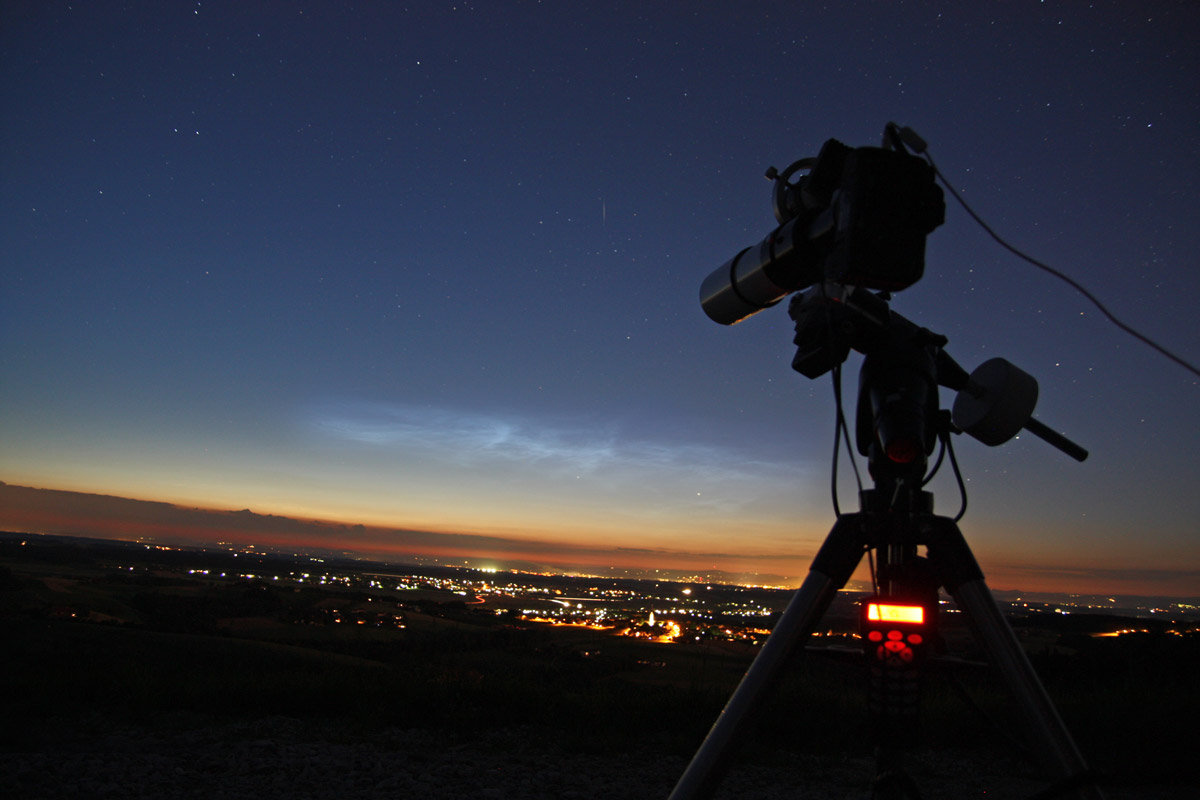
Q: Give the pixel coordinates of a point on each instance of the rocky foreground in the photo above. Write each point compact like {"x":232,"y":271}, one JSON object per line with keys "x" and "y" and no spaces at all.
{"x":285,"y":758}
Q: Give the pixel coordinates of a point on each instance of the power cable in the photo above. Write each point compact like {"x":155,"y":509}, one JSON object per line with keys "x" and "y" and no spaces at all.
{"x":917,"y":144}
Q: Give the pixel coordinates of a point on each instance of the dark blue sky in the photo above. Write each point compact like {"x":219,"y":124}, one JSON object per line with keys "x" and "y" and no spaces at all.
{"x":438,"y":267}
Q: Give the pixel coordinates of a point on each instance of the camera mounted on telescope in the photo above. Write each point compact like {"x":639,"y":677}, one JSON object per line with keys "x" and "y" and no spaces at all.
{"x":857,"y":217}
{"x":852,"y":229}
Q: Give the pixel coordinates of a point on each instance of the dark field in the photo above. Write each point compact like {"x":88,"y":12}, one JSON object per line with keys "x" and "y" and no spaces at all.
{"x":167,"y":674}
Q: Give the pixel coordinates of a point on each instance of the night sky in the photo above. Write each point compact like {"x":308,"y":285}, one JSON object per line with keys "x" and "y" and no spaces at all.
{"x":436,"y":267}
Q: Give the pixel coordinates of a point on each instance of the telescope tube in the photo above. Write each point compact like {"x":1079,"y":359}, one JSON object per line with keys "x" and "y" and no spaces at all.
{"x":760,"y":276}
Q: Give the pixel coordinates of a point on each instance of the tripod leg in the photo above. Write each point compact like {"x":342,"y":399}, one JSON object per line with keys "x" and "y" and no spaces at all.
{"x":832,"y":567}
{"x":964,"y":580}
{"x":1042,"y":719}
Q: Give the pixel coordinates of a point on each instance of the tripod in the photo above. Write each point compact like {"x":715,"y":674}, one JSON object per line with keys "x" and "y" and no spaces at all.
{"x":897,"y":421}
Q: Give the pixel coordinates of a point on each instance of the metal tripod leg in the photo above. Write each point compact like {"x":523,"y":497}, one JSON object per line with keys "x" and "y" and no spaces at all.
{"x":832,"y":567}
{"x":963,"y":579}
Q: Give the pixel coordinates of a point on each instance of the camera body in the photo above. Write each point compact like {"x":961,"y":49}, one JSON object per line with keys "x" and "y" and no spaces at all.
{"x":859,"y":217}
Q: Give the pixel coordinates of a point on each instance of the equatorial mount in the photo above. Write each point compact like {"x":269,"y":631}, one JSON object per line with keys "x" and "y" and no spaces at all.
{"x":903,"y":366}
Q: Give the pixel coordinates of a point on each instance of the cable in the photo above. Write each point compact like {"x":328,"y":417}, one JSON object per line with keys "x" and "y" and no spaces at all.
{"x":871,"y":566}
{"x":918,"y":145}
{"x":936,"y":464}
{"x":962,"y":486}
{"x":898,"y":137}
{"x":841,"y":432}
{"x":837,"y":440}
{"x":846,"y":437}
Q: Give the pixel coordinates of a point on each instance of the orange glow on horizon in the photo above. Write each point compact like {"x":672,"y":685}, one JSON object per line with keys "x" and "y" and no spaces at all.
{"x":69,"y":513}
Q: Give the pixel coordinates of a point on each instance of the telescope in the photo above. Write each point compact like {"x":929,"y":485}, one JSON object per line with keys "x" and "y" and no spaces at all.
{"x":852,"y":229}
{"x":855,"y":216}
